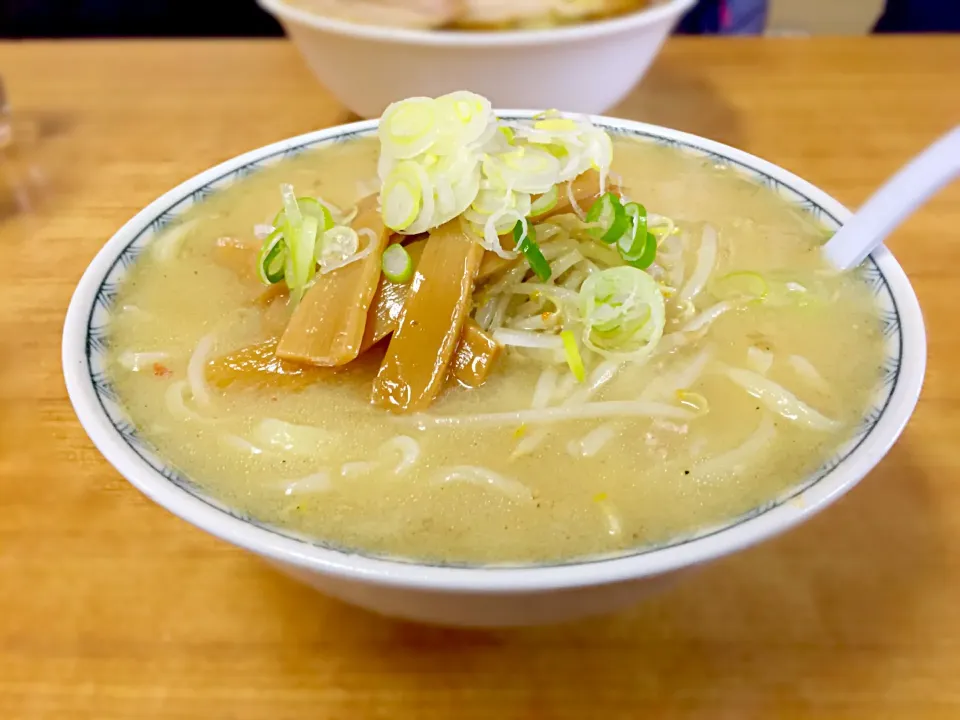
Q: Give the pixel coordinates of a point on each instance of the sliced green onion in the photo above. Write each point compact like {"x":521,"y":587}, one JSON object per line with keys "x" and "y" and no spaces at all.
{"x":290,"y":233}
{"x":623,"y":312}
{"x":302,"y":246}
{"x":527,"y":244}
{"x":572,"y":353}
{"x":290,"y":208}
{"x":615,"y":328}
{"x":638,"y":246}
{"x":270,"y":260}
{"x":397,"y":264}
{"x":739,"y":284}
{"x":545,"y":203}
{"x":633,"y":242}
{"x":312,"y":207}
{"x":611,"y":220}
{"x":646,"y":258}
{"x":309,"y":206}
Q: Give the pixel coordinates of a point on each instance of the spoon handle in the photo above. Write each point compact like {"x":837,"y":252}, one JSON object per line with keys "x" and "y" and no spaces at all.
{"x":894,"y":202}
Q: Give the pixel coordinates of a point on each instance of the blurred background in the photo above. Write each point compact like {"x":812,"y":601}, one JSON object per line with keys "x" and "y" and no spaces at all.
{"x":185,"y":18}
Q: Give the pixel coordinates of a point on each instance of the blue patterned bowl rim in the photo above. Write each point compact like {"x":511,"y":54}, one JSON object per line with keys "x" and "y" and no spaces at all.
{"x":99,"y":410}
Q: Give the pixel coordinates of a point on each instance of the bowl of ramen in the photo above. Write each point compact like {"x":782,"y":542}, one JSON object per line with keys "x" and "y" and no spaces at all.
{"x":485,"y":368}
{"x":582,"y":55}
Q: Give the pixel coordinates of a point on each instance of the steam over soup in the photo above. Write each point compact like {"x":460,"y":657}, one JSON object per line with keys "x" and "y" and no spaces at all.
{"x":461,"y":341}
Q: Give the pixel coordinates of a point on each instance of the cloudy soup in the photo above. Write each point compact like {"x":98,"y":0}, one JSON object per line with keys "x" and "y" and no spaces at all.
{"x":465,"y":340}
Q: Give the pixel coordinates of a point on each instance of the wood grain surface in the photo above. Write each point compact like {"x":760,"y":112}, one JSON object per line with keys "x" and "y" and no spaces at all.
{"x":111,"y":608}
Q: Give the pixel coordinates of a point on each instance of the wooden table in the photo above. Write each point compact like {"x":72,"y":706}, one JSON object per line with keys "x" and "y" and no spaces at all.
{"x":111,"y":608}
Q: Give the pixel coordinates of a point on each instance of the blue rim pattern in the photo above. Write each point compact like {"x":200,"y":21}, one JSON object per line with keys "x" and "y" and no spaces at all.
{"x":97,"y":347}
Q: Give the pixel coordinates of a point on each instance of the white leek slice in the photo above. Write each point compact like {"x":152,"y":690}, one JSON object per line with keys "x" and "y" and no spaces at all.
{"x":488,"y":201}
{"x":443,"y":192}
{"x":577,"y":144}
{"x":546,"y":202}
{"x":337,"y":245}
{"x":455,"y":199}
{"x":463,"y":118}
{"x":455,"y":166}
{"x":371,"y":243}
{"x":449,"y":157}
{"x":623,"y":313}
{"x":408,"y":128}
{"x":401,"y":197}
{"x":498,"y":224}
{"x":507,"y":207}
{"x":385,"y":163}
{"x":524,"y":169}
{"x":556,"y":125}
{"x":599,"y":151}
{"x":425,"y":220}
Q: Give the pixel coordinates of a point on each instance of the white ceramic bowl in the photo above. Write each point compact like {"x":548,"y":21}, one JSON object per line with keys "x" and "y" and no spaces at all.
{"x":479,"y":596}
{"x":585,"y":68}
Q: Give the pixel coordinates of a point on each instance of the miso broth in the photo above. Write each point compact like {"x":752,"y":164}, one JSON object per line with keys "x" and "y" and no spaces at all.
{"x":486,"y":489}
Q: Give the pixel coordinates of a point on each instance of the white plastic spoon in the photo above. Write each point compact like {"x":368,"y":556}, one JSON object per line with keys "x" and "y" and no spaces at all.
{"x":895,"y":202}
